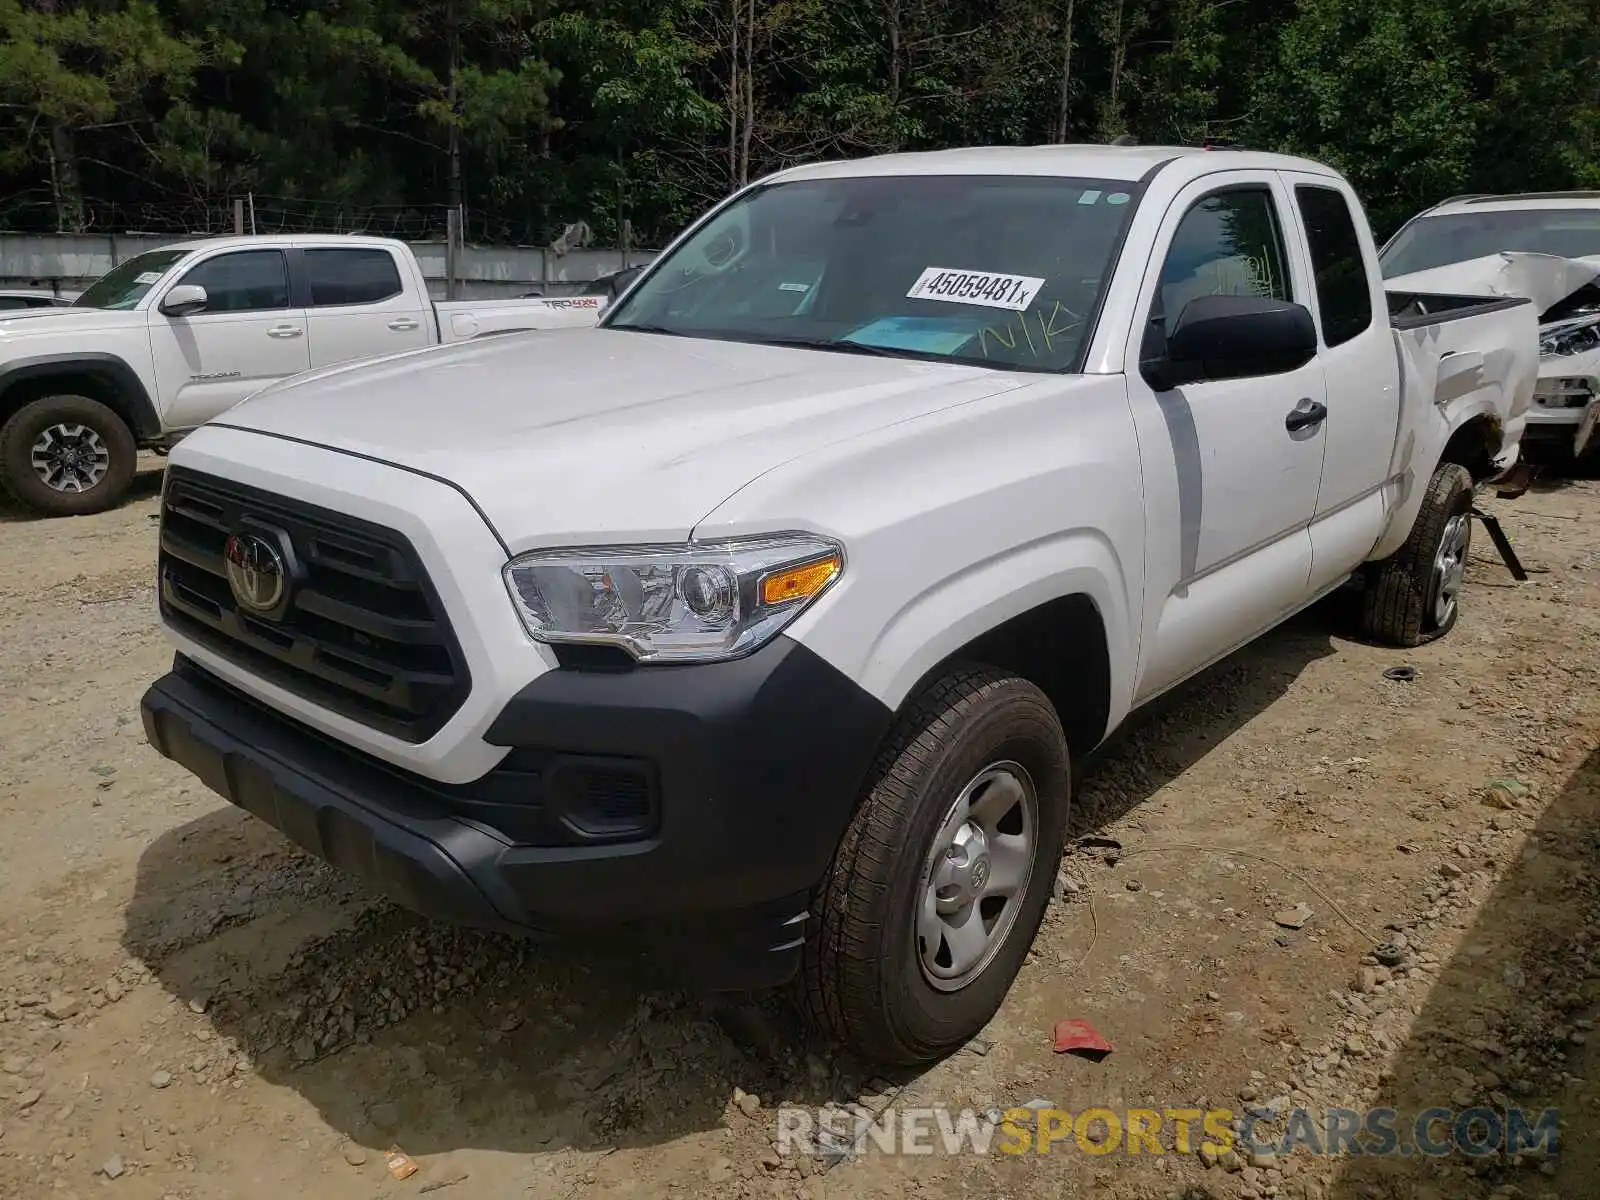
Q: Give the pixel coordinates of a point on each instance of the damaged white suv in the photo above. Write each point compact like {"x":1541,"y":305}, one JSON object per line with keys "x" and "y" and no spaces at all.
{"x":1544,"y":246}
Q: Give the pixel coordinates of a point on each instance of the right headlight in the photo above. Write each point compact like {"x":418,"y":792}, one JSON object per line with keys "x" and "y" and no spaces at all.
{"x":1571,"y":337}
{"x":698,"y":602}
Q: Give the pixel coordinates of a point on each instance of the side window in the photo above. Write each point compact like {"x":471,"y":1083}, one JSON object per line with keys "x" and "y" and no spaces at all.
{"x":1228,"y":244}
{"x":354,"y":276}
{"x":1344,"y":295}
{"x":244,"y":281}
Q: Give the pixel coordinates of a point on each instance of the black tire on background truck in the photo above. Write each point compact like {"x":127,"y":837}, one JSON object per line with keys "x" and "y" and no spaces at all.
{"x":968,"y":797}
{"x":1414,"y":595}
{"x":66,"y":456}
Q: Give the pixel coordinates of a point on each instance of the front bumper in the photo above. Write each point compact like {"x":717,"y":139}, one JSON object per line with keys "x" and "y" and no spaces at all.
{"x":752,"y":769}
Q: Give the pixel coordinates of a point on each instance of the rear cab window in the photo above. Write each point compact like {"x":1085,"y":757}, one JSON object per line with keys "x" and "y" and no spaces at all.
{"x":1344,"y":293}
{"x":338,"y":277}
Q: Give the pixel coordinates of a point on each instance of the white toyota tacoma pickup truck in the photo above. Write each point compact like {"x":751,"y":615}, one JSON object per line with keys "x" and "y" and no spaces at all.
{"x":172,"y":337}
{"x":764,"y":623}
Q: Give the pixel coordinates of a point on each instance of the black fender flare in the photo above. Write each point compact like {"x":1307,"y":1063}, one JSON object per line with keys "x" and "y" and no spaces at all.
{"x":130,"y":399}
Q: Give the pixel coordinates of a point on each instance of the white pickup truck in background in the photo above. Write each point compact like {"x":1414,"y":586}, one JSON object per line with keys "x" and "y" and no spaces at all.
{"x":1544,"y":246}
{"x":172,"y":337}
{"x":770,"y":625}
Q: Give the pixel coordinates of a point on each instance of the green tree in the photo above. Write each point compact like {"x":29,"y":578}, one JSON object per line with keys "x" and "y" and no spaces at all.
{"x":69,"y":71}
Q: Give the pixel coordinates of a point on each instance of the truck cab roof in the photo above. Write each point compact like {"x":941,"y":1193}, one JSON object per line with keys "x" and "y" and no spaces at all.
{"x":269,"y":240}
{"x":1083,"y":161}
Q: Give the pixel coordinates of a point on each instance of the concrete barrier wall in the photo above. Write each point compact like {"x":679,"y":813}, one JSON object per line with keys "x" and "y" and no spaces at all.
{"x":70,"y":262}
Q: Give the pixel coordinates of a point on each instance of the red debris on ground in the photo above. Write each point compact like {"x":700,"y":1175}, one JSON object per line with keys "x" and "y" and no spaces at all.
{"x":1079,"y":1037}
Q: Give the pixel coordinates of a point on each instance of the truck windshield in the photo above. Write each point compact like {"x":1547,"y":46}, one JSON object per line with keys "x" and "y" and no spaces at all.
{"x":1430,"y":242}
{"x":1003,"y":271}
{"x":125,"y":285}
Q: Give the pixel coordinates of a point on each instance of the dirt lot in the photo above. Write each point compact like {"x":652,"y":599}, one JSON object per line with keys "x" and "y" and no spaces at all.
{"x":190,"y":1008}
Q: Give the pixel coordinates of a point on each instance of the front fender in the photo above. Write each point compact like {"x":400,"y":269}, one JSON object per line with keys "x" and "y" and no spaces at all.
{"x":956,"y":610}
{"x":957,"y":521}
{"x":133,"y":400}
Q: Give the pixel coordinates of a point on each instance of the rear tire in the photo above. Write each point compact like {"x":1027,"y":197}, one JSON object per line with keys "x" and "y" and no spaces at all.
{"x":66,"y":456}
{"x":1413,"y":596}
{"x":975,"y":770}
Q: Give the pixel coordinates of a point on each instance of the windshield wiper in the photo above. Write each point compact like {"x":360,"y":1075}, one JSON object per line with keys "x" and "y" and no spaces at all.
{"x":821,"y":343}
{"x":651,"y":329}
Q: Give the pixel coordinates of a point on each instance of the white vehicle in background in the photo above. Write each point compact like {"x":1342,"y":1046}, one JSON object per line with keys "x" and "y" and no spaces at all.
{"x":1542,"y":245}
{"x":173,"y":337}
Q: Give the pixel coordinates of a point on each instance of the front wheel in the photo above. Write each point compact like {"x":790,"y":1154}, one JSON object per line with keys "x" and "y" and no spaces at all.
{"x":939,"y":884}
{"x":66,"y":456}
{"x":1414,"y":595}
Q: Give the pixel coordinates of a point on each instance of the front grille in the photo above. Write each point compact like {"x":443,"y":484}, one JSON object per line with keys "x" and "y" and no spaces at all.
{"x":364,"y":634}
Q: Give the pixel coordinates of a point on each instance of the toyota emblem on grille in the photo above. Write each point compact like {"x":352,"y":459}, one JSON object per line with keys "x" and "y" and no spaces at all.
{"x":257,"y":574}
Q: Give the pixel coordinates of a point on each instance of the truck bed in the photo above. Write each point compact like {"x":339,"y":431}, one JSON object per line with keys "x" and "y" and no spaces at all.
{"x":1462,"y":359}
{"x":1411,"y":310}
{"x":462,"y":320}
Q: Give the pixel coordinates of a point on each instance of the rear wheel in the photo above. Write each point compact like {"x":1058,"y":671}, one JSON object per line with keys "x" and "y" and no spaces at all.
{"x":939,"y":884}
{"x":1414,"y":595}
{"x":66,"y":455}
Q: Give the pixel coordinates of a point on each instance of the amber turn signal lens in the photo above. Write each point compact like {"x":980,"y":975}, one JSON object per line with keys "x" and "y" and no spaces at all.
{"x":798,"y":583}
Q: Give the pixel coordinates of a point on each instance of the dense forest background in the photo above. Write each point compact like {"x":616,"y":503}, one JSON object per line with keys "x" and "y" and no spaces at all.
{"x":536,"y":113}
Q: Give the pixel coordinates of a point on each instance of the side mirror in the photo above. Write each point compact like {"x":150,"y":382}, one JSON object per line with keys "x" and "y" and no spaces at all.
{"x":183,"y":300}
{"x":1233,"y":337}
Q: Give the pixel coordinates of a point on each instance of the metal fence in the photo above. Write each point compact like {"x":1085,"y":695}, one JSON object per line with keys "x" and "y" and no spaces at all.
{"x":34,"y":210}
{"x":70,"y":262}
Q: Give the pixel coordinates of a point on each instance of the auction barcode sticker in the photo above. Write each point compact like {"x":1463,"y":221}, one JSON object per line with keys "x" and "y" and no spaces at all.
{"x":987,"y":288}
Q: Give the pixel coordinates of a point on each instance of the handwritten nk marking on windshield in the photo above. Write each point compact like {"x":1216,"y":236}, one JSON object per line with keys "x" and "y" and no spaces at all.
{"x":1006,"y":335}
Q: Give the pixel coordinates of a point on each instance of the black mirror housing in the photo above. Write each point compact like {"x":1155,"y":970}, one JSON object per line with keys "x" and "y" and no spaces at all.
{"x":1233,"y":337}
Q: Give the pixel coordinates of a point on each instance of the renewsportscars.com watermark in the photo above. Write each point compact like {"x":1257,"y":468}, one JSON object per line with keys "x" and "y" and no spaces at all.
{"x":842,"y":1131}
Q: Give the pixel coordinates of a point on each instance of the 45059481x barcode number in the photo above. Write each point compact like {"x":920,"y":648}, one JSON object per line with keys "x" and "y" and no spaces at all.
{"x":991,"y":289}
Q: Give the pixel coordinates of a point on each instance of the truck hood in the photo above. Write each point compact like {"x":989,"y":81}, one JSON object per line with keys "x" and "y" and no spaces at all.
{"x":75,"y":321}
{"x":591,"y":435}
{"x":1545,"y":279}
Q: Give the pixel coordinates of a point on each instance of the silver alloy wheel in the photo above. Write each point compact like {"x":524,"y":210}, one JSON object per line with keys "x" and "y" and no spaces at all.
{"x":975,"y":875}
{"x":70,"y":457}
{"x":1450,"y":568}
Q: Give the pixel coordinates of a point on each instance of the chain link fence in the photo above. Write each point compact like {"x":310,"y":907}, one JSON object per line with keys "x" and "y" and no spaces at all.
{"x":35,"y":211}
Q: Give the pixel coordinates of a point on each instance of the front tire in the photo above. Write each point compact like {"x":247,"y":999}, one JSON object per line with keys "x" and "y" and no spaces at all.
{"x":940,"y":882}
{"x":1414,"y":595}
{"x":66,"y":456}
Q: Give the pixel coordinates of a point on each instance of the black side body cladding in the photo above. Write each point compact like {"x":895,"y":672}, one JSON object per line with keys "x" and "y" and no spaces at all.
{"x":127,"y":394}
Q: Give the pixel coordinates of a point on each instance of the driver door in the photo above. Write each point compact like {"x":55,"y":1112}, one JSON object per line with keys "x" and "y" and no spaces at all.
{"x":247,"y":336}
{"x":1231,"y":477}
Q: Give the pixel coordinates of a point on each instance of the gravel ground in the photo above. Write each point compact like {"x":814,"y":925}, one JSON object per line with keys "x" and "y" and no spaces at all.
{"x":190,"y":1008}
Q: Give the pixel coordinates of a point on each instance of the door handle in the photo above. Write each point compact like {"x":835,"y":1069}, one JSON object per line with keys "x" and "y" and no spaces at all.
{"x":402,"y":324}
{"x":286,"y":331}
{"x":1305,"y":414}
